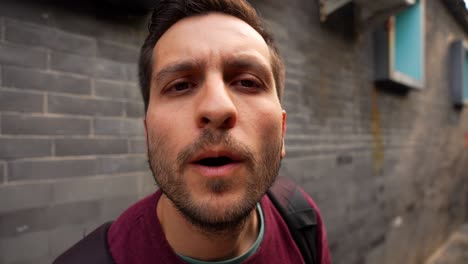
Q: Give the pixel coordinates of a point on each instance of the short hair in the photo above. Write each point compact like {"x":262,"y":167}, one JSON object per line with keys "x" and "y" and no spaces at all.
{"x":168,"y":12}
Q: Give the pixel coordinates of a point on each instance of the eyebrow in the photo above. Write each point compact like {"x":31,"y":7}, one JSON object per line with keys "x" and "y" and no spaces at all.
{"x":248,"y":63}
{"x":177,"y":67}
{"x":252,"y":63}
{"x":234,"y":63}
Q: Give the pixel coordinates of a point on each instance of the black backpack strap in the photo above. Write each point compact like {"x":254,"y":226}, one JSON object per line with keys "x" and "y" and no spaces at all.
{"x":298,"y":214}
{"x":92,"y":249}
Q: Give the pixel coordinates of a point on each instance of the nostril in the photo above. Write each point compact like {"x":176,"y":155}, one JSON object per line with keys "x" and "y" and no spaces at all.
{"x":228,"y":122}
{"x":217,"y":119}
{"x":205,"y":120}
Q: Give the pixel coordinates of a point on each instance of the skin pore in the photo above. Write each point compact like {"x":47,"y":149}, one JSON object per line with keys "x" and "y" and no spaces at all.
{"x":212,"y":95}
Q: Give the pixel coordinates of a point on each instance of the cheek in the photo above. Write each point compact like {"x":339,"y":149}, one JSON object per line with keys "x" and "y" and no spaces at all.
{"x":166,"y":132}
{"x":267,"y":125}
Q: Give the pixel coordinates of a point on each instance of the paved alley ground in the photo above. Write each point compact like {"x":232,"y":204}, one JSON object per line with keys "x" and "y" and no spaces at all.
{"x":454,"y":251}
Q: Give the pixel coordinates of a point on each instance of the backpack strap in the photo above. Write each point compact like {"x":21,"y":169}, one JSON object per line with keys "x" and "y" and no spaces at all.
{"x":298,"y":214}
{"x":92,"y":249}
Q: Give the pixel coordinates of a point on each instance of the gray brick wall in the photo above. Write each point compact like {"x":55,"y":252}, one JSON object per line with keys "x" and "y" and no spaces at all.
{"x":388,"y":171}
{"x":71,"y":132}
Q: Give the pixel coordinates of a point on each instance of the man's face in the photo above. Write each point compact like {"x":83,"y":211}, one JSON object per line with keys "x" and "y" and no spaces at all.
{"x":214,"y":124}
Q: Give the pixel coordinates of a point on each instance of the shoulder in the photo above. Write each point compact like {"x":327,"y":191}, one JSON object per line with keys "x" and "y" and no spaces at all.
{"x":96,"y":247}
{"x":133,"y":216}
{"x":293,"y":200}
{"x":134,"y":230}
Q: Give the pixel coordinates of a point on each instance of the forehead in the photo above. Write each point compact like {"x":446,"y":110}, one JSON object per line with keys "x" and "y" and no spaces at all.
{"x":211,"y":37}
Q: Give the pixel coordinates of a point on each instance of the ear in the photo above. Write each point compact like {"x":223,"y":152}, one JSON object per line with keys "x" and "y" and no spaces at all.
{"x":283,"y":134}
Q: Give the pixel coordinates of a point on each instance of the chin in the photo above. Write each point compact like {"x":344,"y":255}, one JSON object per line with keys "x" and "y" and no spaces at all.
{"x":219,"y":210}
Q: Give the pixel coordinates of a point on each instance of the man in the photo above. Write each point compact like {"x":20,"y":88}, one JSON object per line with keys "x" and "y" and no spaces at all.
{"x":212,"y":82}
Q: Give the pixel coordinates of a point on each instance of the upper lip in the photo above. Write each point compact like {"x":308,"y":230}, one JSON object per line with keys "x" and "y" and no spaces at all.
{"x":216,"y":153}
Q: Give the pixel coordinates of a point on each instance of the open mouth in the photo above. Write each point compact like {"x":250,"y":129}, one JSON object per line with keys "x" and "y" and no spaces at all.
{"x":215,"y":161}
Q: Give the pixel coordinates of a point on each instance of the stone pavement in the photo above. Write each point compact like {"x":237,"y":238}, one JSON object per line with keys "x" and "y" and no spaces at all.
{"x":454,"y":251}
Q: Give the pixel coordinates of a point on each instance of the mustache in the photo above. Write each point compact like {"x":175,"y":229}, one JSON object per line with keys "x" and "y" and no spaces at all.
{"x":210,"y":138}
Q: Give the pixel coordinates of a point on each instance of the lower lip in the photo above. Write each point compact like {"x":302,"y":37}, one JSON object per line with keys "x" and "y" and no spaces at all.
{"x":215,"y":172}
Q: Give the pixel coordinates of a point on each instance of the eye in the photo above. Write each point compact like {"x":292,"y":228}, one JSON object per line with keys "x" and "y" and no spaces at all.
{"x":248,"y":84}
{"x":179,"y":87}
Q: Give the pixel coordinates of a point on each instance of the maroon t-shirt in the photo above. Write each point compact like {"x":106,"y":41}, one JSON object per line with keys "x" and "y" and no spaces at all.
{"x":136,"y":237}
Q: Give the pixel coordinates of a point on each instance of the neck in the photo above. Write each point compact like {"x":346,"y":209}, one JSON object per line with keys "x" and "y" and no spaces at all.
{"x":191,"y":241}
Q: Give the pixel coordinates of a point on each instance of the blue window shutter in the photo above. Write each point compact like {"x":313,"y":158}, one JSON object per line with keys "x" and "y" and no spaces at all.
{"x":409,"y":42}
{"x":399,"y":49}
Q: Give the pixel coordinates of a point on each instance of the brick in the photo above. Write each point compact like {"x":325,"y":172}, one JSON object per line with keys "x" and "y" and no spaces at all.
{"x":114,"y":51}
{"x":2,"y":28}
{"x":147,"y":184}
{"x":2,"y":172}
{"x":109,"y":89}
{"x":19,"y":196}
{"x":132,"y":92}
{"x":36,"y":244}
{"x":99,"y":68}
{"x":44,"y":125}
{"x":72,"y":63}
{"x":41,"y":260}
{"x":45,"y":81}
{"x":83,"y":106}
{"x":19,"y":101}
{"x":111,"y":70}
{"x":300,"y":169}
{"x":137,"y":146}
{"x":45,"y":218}
{"x":122,"y":34}
{"x":109,"y":165}
{"x":50,"y":169}
{"x":101,"y":28}
{"x":19,"y":10}
{"x":119,"y":127}
{"x":19,"y":222}
{"x":112,"y":208}
{"x":13,"y":148}
{"x":74,"y":213}
{"x":95,"y":188}
{"x":38,"y":35}
{"x":27,"y":57}
{"x":66,"y":147}
{"x":118,"y":90}
{"x":301,"y":140}
{"x":131,"y":72}
{"x":135,"y":109}
{"x":83,"y":25}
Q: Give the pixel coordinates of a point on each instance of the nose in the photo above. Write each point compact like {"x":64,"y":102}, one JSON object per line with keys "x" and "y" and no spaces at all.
{"x":215,"y":108}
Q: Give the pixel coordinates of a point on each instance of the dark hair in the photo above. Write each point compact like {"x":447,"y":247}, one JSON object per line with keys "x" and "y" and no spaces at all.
{"x":168,"y":12}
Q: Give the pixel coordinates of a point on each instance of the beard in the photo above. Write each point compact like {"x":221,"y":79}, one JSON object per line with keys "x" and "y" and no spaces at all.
{"x":262,"y":170}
